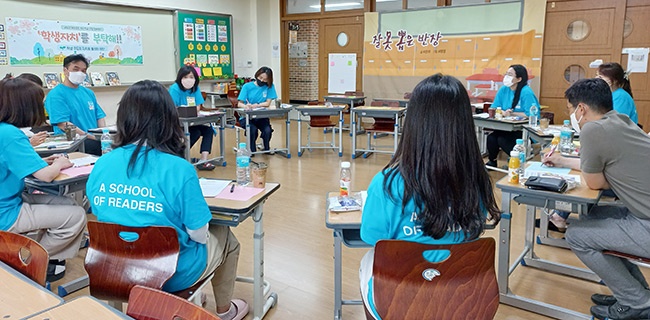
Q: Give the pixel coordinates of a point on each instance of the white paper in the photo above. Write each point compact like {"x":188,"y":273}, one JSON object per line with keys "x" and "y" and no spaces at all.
{"x":335,"y":206}
{"x":342,"y":72}
{"x":212,"y":187}
{"x":54,"y":144}
{"x":637,"y":59}
{"x":84,"y":161}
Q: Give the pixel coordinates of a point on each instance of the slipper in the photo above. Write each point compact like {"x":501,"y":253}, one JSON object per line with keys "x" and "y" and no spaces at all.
{"x":237,"y":311}
{"x":205,"y":166}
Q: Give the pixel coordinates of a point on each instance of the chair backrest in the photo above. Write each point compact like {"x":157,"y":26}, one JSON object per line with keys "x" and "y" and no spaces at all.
{"x":151,"y":304}
{"x":376,"y":103}
{"x":115,"y":265}
{"x":407,"y":95}
{"x":547,"y":115}
{"x":233,"y":93}
{"x":407,"y":286}
{"x":24,"y":255}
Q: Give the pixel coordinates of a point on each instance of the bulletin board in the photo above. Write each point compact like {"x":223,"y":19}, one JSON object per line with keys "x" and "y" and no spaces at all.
{"x":204,"y":41}
{"x":342,"y":75}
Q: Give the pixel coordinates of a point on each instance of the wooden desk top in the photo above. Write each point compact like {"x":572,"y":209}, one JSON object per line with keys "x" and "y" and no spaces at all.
{"x":348,"y":219}
{"x":21,"y":297}
{"x":580,"y":193}
{"x":233,"y":206}
{"x":85,"y":307}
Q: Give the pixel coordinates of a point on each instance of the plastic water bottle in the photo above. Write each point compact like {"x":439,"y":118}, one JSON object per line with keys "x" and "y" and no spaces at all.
{"x":532,"y":119}
{"x":346,"y":179}
{"x":566,"y":138}
{"x":521,"y":148}
{"x":106,"y":141}
{"x":243,"y":165}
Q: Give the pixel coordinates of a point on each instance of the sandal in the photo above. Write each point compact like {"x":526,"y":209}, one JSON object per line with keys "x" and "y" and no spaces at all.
{"x":238,"y":310}
{"x":205,"y":166}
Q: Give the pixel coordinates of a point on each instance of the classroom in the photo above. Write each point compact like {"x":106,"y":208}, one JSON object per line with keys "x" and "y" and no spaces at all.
{"x":319,"y":159}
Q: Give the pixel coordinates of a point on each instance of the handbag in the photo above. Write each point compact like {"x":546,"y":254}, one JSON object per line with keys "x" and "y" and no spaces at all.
{"x":546,"y":183}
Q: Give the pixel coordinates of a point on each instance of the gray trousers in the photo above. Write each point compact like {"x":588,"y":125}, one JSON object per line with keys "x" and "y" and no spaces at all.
{"x":614,"y":228}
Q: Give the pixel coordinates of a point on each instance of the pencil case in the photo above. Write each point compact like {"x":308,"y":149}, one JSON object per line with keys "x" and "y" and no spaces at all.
{"x":546,"y":183}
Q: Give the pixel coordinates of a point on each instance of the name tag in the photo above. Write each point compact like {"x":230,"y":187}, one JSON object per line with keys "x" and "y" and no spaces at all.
{"x":264,"y":94}
{"x":91,"y":105}
{"x":191,"y":101}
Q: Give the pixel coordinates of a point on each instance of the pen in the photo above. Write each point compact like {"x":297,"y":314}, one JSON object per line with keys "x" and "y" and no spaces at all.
{"x":65,"y":154}
{"x":232,"y":188}
{"x":84,"y":165}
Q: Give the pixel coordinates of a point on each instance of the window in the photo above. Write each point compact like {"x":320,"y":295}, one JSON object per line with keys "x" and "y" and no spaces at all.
{"x":338,"y":5}
{"x":303,"y":6}
{"x":417,"y":4}
{"x":388,"y":5}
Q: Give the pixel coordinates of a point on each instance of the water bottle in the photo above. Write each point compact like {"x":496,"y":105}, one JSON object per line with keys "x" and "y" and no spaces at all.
{"x":346,"y":179}
{"x":566,"y":140}
{"x":243,"y":165}
{"x":521,"y":148}
{"x":106,"y":141}
{"x":532,"y":119}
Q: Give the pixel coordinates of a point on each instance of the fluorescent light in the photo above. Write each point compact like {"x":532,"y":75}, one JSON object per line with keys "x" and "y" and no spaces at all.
{"x":386,"y":0}
{"x":334,"y":5}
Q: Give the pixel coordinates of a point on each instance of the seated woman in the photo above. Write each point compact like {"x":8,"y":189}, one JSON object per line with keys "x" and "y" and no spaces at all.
{"x":619,"y":83}
{"x":254,"y":95}
{"x":21,"y":105}
{"x":185,"y":92}
{"x":440,"y":191}
{"x":147,"y":153}
{"x":515,"y":98}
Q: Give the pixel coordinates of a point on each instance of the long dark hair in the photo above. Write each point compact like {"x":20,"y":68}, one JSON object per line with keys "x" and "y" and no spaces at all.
{"x":438,"y":156}
{"x":522,"y":73}
{"x":615,"y":72}
{"x":21,"y":103}
{"x":269,"y":75}
{"x":182,"y":72}
{"x":148,"y":118}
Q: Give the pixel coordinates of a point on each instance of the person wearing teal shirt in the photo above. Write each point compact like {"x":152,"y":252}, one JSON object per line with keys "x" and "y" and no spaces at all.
{"x":70,"y":102}
{"x":59,"y":218}
{"x":255,"y":95}
{"x":416,"y":199}
{"x":185,"y":92}
{"x":516,"y":99}
{"x":619,"y":83}
{"x":145,"y":181}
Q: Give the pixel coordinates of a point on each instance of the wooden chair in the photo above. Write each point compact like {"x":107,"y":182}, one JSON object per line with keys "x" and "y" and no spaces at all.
{"x":464,"y":286}
{"x":380,"y":126}
{"x":640,"y":261}
{"x":547,"y":115}
{"x":151,"y":304}
{"x":328,"y":123}
{"x":24,"y":255}
{"x":115,"y":266}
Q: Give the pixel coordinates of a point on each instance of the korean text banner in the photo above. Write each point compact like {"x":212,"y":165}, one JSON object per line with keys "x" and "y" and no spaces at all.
{"x":48,"y":42}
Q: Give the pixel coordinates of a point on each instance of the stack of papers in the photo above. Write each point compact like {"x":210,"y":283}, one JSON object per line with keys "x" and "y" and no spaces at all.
{"x":83,"y":162}
{"x":54,"y":144}
{"x":212,"y":187}
{"x":354,"y":202}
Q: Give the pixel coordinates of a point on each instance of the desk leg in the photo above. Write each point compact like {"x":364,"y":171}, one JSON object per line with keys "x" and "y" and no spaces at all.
{"x":288,"y":137}
{"x":221,"y":137}
{"x":338,"y":282}
{"x":351,"y":116}
{"x":186,"y":127}
{"x":395,"y":133}
{"x":504,"y":244}
{"x":248,"y":139}
{"x":300,"y":134}
{"x":260,"y":305}
{"x":340,"y":133}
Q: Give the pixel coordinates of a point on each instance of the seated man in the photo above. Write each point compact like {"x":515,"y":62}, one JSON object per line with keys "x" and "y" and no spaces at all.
{"x":614,"y":155}
{"x":69,"y":102}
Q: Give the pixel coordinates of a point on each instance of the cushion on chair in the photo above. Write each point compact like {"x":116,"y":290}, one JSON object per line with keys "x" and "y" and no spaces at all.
{"x":463,"y":286}
{"x":24,"y":255}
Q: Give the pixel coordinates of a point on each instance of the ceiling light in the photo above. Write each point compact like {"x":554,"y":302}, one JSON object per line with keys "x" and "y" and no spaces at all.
{"x":334,"y":5}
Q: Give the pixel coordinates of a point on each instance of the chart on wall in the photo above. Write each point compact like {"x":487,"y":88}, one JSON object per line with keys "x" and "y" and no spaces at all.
{"x":47,"y":42}
{"x":342,"y":72}
{"x":204,"y":41}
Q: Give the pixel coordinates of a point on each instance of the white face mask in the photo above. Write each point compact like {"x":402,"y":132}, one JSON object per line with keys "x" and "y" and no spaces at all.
{"x":575,"y":123}
{"x":507,"y":80}
{"x":77,"y":77}
{"x":188,"y":83}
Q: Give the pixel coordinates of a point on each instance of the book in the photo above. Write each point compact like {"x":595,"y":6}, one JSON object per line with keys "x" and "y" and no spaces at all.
{"x":51,"y":79}
{"x":87,"y":82}
{"x":97,"y":79}
{"x":112,"y":78}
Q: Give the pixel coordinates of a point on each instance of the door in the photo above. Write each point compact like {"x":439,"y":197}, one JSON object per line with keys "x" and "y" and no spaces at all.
{"x":577,"y":33}
{"x":636,"y":35}
{"x":332,"y":33}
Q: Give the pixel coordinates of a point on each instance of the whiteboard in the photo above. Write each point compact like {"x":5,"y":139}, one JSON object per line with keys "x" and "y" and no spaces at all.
{"x":342,"y":74}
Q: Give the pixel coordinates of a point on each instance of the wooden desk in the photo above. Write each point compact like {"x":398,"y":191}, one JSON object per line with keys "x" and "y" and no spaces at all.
{"x":395,"y":113}
{"x":546,"y":136}
{"x":85,"y":307}
{"x":21,"y":297}
{"x":64,"y":147}
{"x":62,"y":184}
{"x":307,"y":110}
{"x":347,"y":230}
{"x":231,"y":213}
{"x":270,"y":113}
{"x":214,"y":117}
{"x":350,"y":100}
{"x":577,"y":200}
{"x":493,"y":124}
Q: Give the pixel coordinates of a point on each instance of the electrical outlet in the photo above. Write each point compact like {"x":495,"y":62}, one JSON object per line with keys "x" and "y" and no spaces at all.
{"x":249,"y":63}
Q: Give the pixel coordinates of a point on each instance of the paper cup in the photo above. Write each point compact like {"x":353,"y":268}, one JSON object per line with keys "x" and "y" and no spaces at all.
{"x":258,"y":175}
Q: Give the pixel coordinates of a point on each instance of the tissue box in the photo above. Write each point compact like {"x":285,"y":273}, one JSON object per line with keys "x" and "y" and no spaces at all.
{"x":186,"y":112}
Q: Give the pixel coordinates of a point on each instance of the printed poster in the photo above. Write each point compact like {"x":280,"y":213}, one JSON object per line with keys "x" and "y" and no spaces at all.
{"x":188,"y":31}
{"x":200,"y":32}
{"x":213,"y":59}
{"x":222,"y":33}
{"x":212,"y":31}
{"x":224,"y":59}
{"x":637,"y":59}
{"x":47,"y":42}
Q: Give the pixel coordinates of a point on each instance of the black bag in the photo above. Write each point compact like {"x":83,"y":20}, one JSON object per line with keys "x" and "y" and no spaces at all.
{"x":546,"y":183}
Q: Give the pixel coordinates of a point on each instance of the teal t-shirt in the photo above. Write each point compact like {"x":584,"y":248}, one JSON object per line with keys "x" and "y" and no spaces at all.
{"x":527,"y":98}
{"x":624,"y":104}
{"x":17,"y":160}
{"x":79,"y":106}
{"x":252,"y":93}
{"x":180,"y":96}
{"x":163,"y":190}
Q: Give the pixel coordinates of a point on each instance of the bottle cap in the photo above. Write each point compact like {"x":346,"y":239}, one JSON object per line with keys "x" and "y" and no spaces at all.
{"x":520,"y":141}
{"x":514,"y":154}
{"x":345,"y":164}
{"x":556,"y":134}
{"x":567,"y":122}
{"x":105,"y":130}
{"x":242,"y":145}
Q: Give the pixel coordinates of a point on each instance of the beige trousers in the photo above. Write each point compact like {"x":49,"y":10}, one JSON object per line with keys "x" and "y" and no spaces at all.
{"x":60,"y":219}
{"x":223,"y":255}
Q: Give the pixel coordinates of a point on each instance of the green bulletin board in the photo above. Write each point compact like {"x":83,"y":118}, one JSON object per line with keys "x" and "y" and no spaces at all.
{"x":205,"y":41}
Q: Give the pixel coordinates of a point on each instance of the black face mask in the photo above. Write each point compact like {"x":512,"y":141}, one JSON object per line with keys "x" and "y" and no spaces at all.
{"x":260,"y":83}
